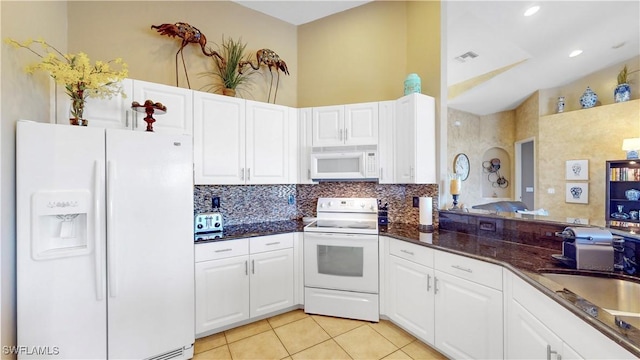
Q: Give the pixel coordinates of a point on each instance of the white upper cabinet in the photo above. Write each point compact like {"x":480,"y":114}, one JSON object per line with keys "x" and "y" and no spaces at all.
{"x":386,"y":116}
{"x":218,"y":139}
{"x":179,"y":102}
{"x":304,"y":123}
{"x":270,"y":143}
{"x":117,"y":113}
{"x":240,"y":141}
{"x":415,"y":140}
{"x":353,"y":124}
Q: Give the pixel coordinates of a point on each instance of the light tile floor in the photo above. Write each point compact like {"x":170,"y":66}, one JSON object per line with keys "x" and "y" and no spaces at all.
{"x":296,"y":335}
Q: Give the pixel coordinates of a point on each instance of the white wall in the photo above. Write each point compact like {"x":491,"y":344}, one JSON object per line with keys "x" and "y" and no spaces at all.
{"x":22,"y":96}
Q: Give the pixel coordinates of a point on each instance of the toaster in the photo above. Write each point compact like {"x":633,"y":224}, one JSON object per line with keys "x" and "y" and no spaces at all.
{"x":586,"y":248}
{"x":208,"y":222}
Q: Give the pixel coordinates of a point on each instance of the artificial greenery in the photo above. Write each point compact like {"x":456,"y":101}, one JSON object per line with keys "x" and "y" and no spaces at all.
{"x":624,"y":74}
{"x":226,"y":70}
{"x":80,"y":78}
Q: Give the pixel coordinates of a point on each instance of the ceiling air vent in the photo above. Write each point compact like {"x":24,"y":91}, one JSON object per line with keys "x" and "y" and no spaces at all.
{"x":466,"y":56}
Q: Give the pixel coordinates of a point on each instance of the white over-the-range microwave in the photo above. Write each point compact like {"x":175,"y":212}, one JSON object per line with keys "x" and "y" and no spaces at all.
{"x":344,"y":163}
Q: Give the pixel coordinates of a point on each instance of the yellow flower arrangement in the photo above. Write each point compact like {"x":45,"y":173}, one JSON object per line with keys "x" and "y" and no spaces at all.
{"x":80,"y":78}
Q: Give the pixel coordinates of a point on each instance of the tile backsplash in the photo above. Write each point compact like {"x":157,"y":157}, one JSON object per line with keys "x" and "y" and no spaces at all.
{"x":245,"y":204}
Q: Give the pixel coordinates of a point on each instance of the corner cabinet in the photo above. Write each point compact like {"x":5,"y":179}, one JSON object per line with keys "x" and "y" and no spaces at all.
{"x":117,"y":113}
{"x":622,"y":176}
{"x":414,"y":148}
{"x":240,"y":141}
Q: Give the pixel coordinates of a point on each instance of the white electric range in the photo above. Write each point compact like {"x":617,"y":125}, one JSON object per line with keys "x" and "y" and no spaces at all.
{"x":341,"y":259}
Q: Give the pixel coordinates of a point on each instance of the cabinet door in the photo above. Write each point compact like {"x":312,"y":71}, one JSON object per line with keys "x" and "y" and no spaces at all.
{"x":268,"y":143}
{"x":386,"y":116}
{"x":328,"y":126}
{"x":304,"y":145}
{"x":410,"y":301}
{"x":527,"y":337}
{"x":179,"y":102}
{"x":361,"y":124}
{"x":272,"y":283}
{"x":468,"y":318}
{"x":404,"y":144}
{"x":219,"y":139}
{"x":222,"y":293}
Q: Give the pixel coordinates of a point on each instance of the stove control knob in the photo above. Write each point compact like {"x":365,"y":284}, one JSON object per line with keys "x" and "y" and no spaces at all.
{"x":199,"y":226}
{"x":330,"y":203}
{"x":362,"y":205}
{"x":372,"y":208}
{"x":321,"y":205}
{"x":216,"y":224}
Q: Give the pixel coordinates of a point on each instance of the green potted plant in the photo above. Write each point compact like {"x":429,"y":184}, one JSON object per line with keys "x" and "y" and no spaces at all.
{"x":225,"y":71}
{"x":622,"y":91}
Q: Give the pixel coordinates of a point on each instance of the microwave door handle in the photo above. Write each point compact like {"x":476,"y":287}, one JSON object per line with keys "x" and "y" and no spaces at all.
{"x":346,"y":134}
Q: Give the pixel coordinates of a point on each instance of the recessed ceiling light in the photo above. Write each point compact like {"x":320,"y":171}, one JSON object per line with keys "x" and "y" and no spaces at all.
{"x":532,"y":10}
{"x":575,"y":53}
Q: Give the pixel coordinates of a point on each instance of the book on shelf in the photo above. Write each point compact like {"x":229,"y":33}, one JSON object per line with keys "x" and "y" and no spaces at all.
{"x":624,"y":174}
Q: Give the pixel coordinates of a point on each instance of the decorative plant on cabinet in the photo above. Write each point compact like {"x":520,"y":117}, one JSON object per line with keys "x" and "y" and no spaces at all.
{"x":80,"y":78}
{"x":227,"y":69}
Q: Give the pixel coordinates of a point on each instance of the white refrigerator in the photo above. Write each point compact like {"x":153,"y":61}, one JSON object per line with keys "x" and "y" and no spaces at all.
{"x":105,"y":266}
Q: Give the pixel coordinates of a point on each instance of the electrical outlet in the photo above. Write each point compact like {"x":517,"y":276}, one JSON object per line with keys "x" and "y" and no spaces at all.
{"x":416,"y":201}
{"x":215,"y":202}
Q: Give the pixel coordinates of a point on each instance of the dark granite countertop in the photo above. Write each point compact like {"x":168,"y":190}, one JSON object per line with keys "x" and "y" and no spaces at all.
{"x":526,"y":261}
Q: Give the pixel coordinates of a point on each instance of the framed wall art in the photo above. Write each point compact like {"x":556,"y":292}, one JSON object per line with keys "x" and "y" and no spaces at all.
{"x":577,"y":170}
{"x":577,"y":193}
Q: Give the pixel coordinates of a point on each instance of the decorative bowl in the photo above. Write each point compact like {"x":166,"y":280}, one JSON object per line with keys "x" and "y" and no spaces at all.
{"x":632,"y":194}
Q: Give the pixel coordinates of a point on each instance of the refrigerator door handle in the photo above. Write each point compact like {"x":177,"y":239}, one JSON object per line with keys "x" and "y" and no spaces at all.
{"x":96,"y":233}
{"x":111,"y":256}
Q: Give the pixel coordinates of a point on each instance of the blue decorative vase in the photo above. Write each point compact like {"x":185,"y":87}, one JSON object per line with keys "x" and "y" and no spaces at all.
{"x":622,"y":93}
{"x":412,"y":84}
{"x":588,"y":99}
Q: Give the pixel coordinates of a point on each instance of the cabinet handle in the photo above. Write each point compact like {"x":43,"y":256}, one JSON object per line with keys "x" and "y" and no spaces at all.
{"x":428,"y":282}
{"x":407,"y":252}
{"x":246,"y":267}
{"x":253,"y":266}
{"x":242,"y":174}
{"x":309,"y":174}
{"x":549,"y":352}
{"x":462,"y":268}
{"x":126,"y":119}
{"x":273,"y":243}
{"x":135,"y":122}
{"x":340,"y":134}
{"x":435,"y":285}
{"x":222,"y":250}
{"x":411,"y":172}
{"x":346,"y":134}
{"x":248,"y":174}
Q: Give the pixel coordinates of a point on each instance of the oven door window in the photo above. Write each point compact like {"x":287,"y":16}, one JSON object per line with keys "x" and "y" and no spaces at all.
{"x":340,"y":260}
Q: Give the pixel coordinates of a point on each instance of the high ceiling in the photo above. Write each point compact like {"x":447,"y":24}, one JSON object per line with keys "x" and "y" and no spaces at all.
{"x":517,"y":55}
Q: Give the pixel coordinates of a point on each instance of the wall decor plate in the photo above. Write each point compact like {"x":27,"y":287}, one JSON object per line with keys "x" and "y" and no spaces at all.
{"x":577,"y":193}
{"x":461,"y":166}
{"x":632,"y":194}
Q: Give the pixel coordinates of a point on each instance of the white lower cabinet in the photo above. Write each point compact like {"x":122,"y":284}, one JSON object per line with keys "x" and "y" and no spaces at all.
{"x":237,"y":280}
{"x":410,"y":299}
{"x":448,"y":301}
{"x":538,"y":327}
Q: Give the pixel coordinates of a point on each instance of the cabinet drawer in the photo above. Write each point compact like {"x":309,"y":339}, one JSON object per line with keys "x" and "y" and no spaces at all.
{"x":471,"y":269}
{"x":416,"y":253}
{"x":270,"y":243}
{"x":221,"y":249}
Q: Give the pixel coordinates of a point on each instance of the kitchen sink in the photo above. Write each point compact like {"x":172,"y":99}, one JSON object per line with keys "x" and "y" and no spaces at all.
{"x":619,"y":297}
